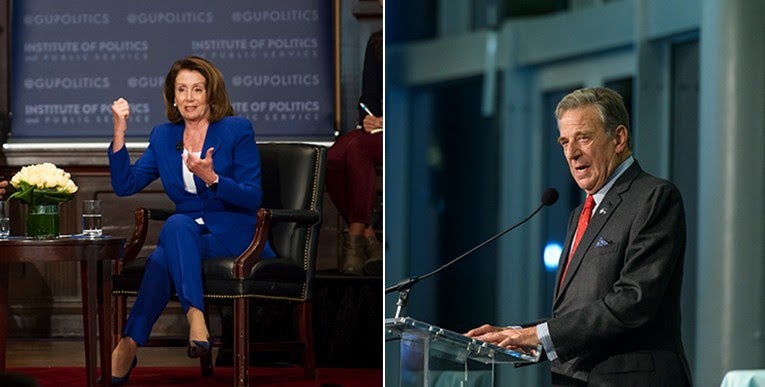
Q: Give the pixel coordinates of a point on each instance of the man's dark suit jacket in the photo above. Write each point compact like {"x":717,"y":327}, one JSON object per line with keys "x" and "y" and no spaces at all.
{"x":616,"y":316}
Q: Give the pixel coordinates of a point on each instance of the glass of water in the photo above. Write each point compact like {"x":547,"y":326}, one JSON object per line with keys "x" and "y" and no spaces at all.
{"x":91,"y":218}
{"x":5,"y":220}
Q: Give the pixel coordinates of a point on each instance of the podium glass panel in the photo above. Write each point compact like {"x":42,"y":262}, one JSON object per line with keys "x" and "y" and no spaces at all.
{"x":433,"y":356}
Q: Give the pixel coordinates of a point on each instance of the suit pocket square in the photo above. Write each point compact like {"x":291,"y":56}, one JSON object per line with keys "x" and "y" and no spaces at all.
{"x":601,"y":242}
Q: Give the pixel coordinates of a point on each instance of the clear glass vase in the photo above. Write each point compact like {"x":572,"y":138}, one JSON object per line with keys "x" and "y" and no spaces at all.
{"x":42,"y":221}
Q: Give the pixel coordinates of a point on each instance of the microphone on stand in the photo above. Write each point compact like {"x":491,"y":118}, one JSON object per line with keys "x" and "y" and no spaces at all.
{"x":549,"y":197}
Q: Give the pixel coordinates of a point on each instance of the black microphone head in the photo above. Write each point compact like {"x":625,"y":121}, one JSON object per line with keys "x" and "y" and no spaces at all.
{"x":549,"y":196}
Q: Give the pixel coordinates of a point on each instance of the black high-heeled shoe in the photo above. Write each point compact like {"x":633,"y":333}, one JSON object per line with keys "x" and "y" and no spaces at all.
{"x":120,"y":380}
{"x":197,"y":348}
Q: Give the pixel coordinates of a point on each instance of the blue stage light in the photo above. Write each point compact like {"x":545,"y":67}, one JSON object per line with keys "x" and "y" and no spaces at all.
{"x":552,"y":255}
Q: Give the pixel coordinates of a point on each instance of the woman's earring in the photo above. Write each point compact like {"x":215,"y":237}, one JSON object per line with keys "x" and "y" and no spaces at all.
{"x":174,"y":105}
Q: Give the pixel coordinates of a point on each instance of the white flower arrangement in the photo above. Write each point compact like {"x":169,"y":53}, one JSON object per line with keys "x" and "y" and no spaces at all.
{"x":43,"y":184}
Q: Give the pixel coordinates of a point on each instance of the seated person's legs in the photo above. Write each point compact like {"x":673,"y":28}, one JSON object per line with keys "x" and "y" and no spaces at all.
{"x":352,"y":186}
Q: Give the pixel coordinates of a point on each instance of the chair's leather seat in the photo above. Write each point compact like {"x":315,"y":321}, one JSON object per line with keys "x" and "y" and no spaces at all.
{"x":269,"y":278}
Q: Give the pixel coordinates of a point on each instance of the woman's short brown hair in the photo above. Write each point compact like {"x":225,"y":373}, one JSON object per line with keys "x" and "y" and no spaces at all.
{"x":217,"y":97}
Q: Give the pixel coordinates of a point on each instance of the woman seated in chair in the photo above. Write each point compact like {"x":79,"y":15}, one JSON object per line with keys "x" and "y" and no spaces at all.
{"x":209,"y":165}
{"x":351,"y":170}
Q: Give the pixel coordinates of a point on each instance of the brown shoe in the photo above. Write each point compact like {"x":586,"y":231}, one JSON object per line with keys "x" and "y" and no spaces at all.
{"x":374,"y":252}
{"x":354,"y":247}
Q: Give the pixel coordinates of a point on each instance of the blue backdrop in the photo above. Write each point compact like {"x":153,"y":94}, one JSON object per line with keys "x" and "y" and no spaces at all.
{"x":71,"y":59}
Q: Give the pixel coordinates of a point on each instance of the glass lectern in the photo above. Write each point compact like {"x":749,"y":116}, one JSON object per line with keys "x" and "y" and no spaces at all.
{"x":433,"y":356}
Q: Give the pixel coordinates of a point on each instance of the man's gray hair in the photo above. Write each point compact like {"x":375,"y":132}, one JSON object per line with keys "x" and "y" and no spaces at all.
{"x":609,"y":104}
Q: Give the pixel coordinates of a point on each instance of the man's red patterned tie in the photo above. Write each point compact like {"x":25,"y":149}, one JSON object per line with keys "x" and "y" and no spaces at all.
{"x":584,"y":220}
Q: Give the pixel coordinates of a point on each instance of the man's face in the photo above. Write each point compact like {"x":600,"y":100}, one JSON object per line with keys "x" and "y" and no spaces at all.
{"x":592,"y":154}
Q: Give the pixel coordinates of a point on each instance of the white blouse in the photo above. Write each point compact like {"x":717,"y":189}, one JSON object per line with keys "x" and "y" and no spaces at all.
{"x":188,"y":179}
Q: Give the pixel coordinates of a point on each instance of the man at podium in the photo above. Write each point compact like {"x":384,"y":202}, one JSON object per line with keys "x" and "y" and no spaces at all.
{"x":616,"y":307}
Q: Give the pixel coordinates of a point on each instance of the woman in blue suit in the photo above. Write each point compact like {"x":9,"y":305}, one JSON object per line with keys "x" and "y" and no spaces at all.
{"x":209,"y":165}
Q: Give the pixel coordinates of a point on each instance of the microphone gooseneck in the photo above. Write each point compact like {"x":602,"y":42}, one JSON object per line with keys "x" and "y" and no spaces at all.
{"x":549,"y":197}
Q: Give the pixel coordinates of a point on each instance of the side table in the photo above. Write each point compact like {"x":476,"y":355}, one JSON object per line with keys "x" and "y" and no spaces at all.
{"x":95,"y":257}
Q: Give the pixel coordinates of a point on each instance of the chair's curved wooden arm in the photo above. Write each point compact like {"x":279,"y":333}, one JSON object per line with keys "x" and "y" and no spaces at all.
{"x":266,"y":217}
{"x":138,"y":238}
{"x":244,"y":262}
